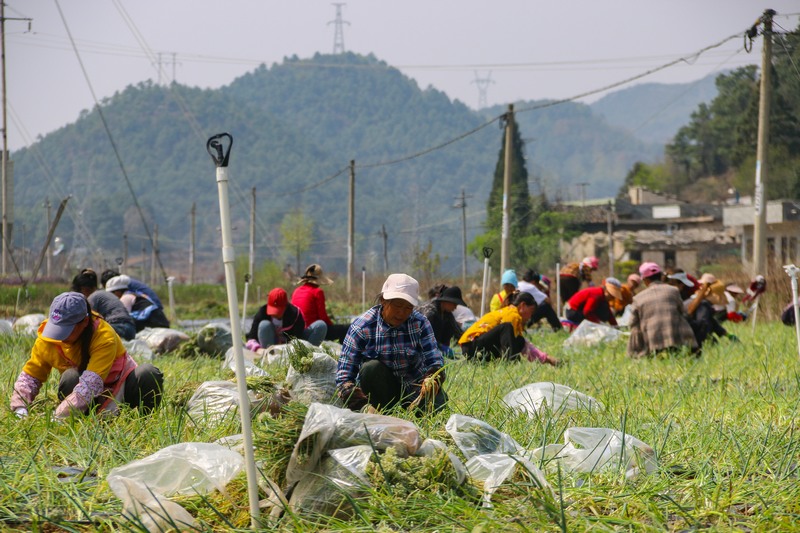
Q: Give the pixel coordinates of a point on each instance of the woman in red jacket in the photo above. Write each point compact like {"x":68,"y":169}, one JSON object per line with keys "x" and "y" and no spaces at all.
{"x":592,"y":303}
{"x":310,"y":299}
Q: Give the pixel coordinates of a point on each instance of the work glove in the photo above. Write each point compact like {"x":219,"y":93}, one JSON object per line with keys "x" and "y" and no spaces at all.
{"x":21,"y":412}
{"x":353,"y":397}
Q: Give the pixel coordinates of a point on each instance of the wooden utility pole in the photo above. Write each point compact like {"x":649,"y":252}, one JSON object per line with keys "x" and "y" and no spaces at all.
{"x":351,"y":225}
{"x":504,"y":250}
{"x":252,"y":261}
{"x":385,"y":237}
{"x":191,"y":242}
{"x":610,"y":222}
{"x":760,"y":195}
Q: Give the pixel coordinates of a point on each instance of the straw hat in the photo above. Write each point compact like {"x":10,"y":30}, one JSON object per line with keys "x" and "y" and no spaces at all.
{"x":314,"y":274}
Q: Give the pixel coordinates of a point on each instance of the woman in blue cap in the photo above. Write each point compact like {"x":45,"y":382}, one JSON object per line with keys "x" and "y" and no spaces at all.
{"x":95,"y":368}
{"x":510,"y":284}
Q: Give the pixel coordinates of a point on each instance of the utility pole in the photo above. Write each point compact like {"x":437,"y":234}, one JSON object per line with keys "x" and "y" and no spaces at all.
{"x":462,"y":203}
{"x":610,"y":221}
{"x":385,"y":237}
{"x":192,"y":228}
{"x":154,"y":252}
{"x":48,"y":251}
{"x":6,"y":184}
{"x":351,"y":217}
{"x":504,"y":251}
{"x":252,"y":232}
{"x":124,"y":265}
{"x":760,"y":196}
{"x":144,"y":261}
{"x":338,"y":29}
{"x":483,"y":87}
{"x":582,"y":187}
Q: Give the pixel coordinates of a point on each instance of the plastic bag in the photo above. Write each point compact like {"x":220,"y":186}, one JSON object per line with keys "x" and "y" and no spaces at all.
{"x":340,"y":473}
{"x":494,"y":468}
{"x":590,"y":449}
{"x":558,"y":398}
{"x":181,"y":469}
{"x":318,"y":384}
{"x":215,"y":339}
{"x":214,"y":400}
{"x":589,"y":334}
{"x":429,"y":448}
{"x":139,"y":350}
{"x":625,"y":320}
{"x":28,"y":324}
{"x":162,"y":340}
{"x":6,"y":328}
{"x":475,"y":437}
{"x":250,"y":366}
{"x":327,"y":428}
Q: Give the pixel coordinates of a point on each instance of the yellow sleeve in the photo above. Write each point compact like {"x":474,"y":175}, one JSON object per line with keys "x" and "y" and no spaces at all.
{"x":40,"y":363}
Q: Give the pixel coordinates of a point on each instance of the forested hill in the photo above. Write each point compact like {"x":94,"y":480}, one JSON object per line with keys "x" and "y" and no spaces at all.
{"x":296,"y":126}
{"x":654,"y":112}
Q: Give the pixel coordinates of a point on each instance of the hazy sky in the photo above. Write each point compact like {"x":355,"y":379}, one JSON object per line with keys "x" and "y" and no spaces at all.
{"x":530,"y":49}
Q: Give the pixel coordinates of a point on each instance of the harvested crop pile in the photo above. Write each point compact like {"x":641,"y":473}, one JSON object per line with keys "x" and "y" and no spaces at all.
{"x":274,"y":439}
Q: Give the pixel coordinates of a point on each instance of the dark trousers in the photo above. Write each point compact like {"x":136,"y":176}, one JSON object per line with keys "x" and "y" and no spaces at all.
{"x":336,"y":332}
{"x":704,"y":324}
{"x":568,"y":287}
{"x":499,"y":341}
{"x":546,"y":311}
{"x":143,"y":387}
{"x":385,"y":390}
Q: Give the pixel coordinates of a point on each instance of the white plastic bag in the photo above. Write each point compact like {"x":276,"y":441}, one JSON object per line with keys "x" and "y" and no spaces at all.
{"x":589,"y":334}
{"x":318,"y":384}
{"x":215,"y":338}
{"x":475,"y":437}
{"x":625,"y":320}
{"x":6,"y":328}
{"x":327,"y":428}
{"x":494,"y":468}
{"x":214,"y":400}
{"x":430,"y":446}
{"x":28,"y":324}
{"x":250,"y":366}
{"x":162,"y":340}
{"x":181,"y":469}
{"x":558,"y":398}
{"x":139,"y":350}
{"x":591,"y":449}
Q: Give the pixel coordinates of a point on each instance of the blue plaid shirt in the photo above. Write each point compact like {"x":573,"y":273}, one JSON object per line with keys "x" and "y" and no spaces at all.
{"x":409,"y":350}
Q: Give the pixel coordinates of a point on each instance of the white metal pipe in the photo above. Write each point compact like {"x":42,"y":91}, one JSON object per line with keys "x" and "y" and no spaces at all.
{"x":485,"y":283}
{"x":228,"y":257}
{"x":244,"y":299}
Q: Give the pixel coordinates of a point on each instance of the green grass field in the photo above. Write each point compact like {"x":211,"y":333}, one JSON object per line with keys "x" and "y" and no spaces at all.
{"x":724,"y":428}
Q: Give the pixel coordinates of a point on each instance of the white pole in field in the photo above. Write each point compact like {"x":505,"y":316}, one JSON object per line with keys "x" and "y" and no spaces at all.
{"x":558,"y":290}
{"x":244,"y":298}
{"x":173,"y":314}
{"x":793,"y":272}
{"x":219,"y":147}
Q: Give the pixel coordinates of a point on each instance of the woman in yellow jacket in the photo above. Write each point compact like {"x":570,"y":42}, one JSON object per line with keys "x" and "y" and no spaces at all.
{"x":501,"y":333}
{"x":95,"y":368}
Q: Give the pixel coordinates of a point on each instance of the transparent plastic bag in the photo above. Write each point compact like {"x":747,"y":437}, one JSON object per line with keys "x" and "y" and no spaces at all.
{"x":328,"y":428}
{"x":494,"y":468}
{"x":139,"y":350}
{"x":318,"y":384}
{"x":589,"y":334}
{"x":215,"y":339}
{"x":181,"y":469}
{"x":429,"y":448}
{"x":591,"y":449}
{"x":625,"y":320}
{"x":475,"y":437}
{"x":340,"y":474}
{"x":162,"y":340}
{"x":214,"y":400}
{"x":558,"y":398}
{"x":250,"y":366}
{"x":6,"y":328}
{"x":28,"y":324}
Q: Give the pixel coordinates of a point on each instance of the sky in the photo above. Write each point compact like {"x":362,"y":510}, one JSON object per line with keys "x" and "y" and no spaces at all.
{"x":527,"y":49}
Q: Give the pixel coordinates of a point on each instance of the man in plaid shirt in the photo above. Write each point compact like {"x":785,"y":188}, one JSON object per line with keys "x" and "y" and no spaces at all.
{"x":389,"y":355}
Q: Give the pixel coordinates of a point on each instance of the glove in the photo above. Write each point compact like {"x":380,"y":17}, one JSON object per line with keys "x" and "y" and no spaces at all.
{"x":21,"y":412}
{"x":252,"y":345}
{"x":353,"y":397}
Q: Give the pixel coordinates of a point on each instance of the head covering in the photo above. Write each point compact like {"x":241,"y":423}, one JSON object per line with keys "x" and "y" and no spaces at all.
{"x":118,"y":283}
{"x":717,"y":294}
{"x":545,"y":281}
{"x":510,"y":278}
{"x":708,"y":278}
{"x":591,"y":262}
{"x":734,"y":289}
{"x":531,"y":275}
{"x":649,"y":269}
{"x":682,"y":277}
{"x":401,"y":286}
{"x":614,"y":287}
{"x":66,"y":311}
{"x":277,"y":300}
{"x":452,"y":295}
{"x":107,"y":275}
{"x":314,"y":274}
{"x":635,"y":279}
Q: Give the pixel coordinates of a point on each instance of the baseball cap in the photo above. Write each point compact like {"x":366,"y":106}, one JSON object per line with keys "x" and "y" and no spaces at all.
{"x":635,"y":279}
{"x":591,"y":262}
{"x":66,"y":310}
{"x":682,"y":277}
{"x":401,"y":286}
{"x":277,"y":300}
{"x":649,"y":269}
{"x":118,"y":283}
{"x":509,"y":277}
{"x":613,"y":286}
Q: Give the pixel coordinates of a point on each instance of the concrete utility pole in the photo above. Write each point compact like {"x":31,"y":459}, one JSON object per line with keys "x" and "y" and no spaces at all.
{"x":610,"y":222}
{"x":124,"y":265}
{"x":154,"y":252}
{"x":504,"y":251}
{"x":760,"y":195}
{"x":351,"y":222}
{"x":338,"y":29}
{"x":252,"y":262}
{"x":462,"y":203}
{"x":583,"y":193}
{"x":192,"y":228}
{"x":483,"y":87}
{"x":385,"y":237}
{"x":48,"y":250}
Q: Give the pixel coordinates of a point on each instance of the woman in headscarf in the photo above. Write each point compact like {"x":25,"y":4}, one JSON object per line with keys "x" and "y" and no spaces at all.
{"x":310,"y":299}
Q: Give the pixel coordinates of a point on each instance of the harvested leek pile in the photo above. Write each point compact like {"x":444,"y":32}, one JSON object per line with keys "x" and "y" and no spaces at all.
{"x":274,"y":439}
{"x":189,"y":349}
{"x":301,"y":356}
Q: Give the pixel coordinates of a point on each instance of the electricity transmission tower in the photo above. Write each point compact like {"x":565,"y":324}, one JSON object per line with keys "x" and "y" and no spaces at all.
{"x":483,"y":87}
{"x":338,"y":33}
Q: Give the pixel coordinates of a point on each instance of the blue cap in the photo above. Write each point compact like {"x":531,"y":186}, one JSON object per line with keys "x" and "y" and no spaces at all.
{"x":66,"y":311}
{"x":509,"y":277}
